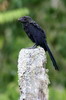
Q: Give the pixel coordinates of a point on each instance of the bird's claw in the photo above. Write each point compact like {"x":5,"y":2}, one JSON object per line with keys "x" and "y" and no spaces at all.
{"x":33,"y":47}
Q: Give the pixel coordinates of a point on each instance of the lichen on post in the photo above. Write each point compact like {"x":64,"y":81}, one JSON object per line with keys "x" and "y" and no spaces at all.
{"x":32,"y":74}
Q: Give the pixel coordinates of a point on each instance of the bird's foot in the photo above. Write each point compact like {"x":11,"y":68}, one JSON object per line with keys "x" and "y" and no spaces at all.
{"x":33,"y":47}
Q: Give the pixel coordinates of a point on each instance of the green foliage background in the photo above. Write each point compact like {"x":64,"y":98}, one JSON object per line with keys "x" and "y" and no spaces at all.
{"x":51,"y":16}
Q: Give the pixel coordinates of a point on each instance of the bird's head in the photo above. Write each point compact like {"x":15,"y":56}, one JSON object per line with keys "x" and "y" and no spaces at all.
{"x":25,"y":19}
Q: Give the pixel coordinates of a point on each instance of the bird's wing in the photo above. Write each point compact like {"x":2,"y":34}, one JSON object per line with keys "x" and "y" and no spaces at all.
{"x":38,"y":27}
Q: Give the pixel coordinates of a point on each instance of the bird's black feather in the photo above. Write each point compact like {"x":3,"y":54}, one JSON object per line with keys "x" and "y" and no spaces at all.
{"x":37,"y":35}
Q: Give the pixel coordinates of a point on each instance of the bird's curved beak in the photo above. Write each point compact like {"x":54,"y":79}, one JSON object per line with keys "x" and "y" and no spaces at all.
{"x":21,"y":19}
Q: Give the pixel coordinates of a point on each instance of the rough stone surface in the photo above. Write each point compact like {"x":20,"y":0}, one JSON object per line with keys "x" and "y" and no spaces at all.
{"x":32,"y":74}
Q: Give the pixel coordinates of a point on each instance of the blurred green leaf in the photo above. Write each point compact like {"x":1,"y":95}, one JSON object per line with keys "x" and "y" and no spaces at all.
{"x":9,"y":16}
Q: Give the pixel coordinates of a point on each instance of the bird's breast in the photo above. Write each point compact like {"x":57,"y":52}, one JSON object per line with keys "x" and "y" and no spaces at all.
{"x":29,"y":32}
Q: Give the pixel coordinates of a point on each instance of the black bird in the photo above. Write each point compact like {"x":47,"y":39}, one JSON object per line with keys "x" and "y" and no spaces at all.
{"x":37,"y":35}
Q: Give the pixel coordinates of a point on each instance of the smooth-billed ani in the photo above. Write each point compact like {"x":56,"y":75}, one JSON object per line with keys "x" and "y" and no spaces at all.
{"x":37,"y":35}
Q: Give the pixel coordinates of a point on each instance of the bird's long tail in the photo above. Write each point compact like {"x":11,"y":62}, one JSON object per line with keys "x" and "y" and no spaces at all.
{"x":51,"y":56}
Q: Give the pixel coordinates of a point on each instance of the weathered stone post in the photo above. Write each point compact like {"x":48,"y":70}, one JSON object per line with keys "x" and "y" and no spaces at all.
{"x":32,"y":74}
